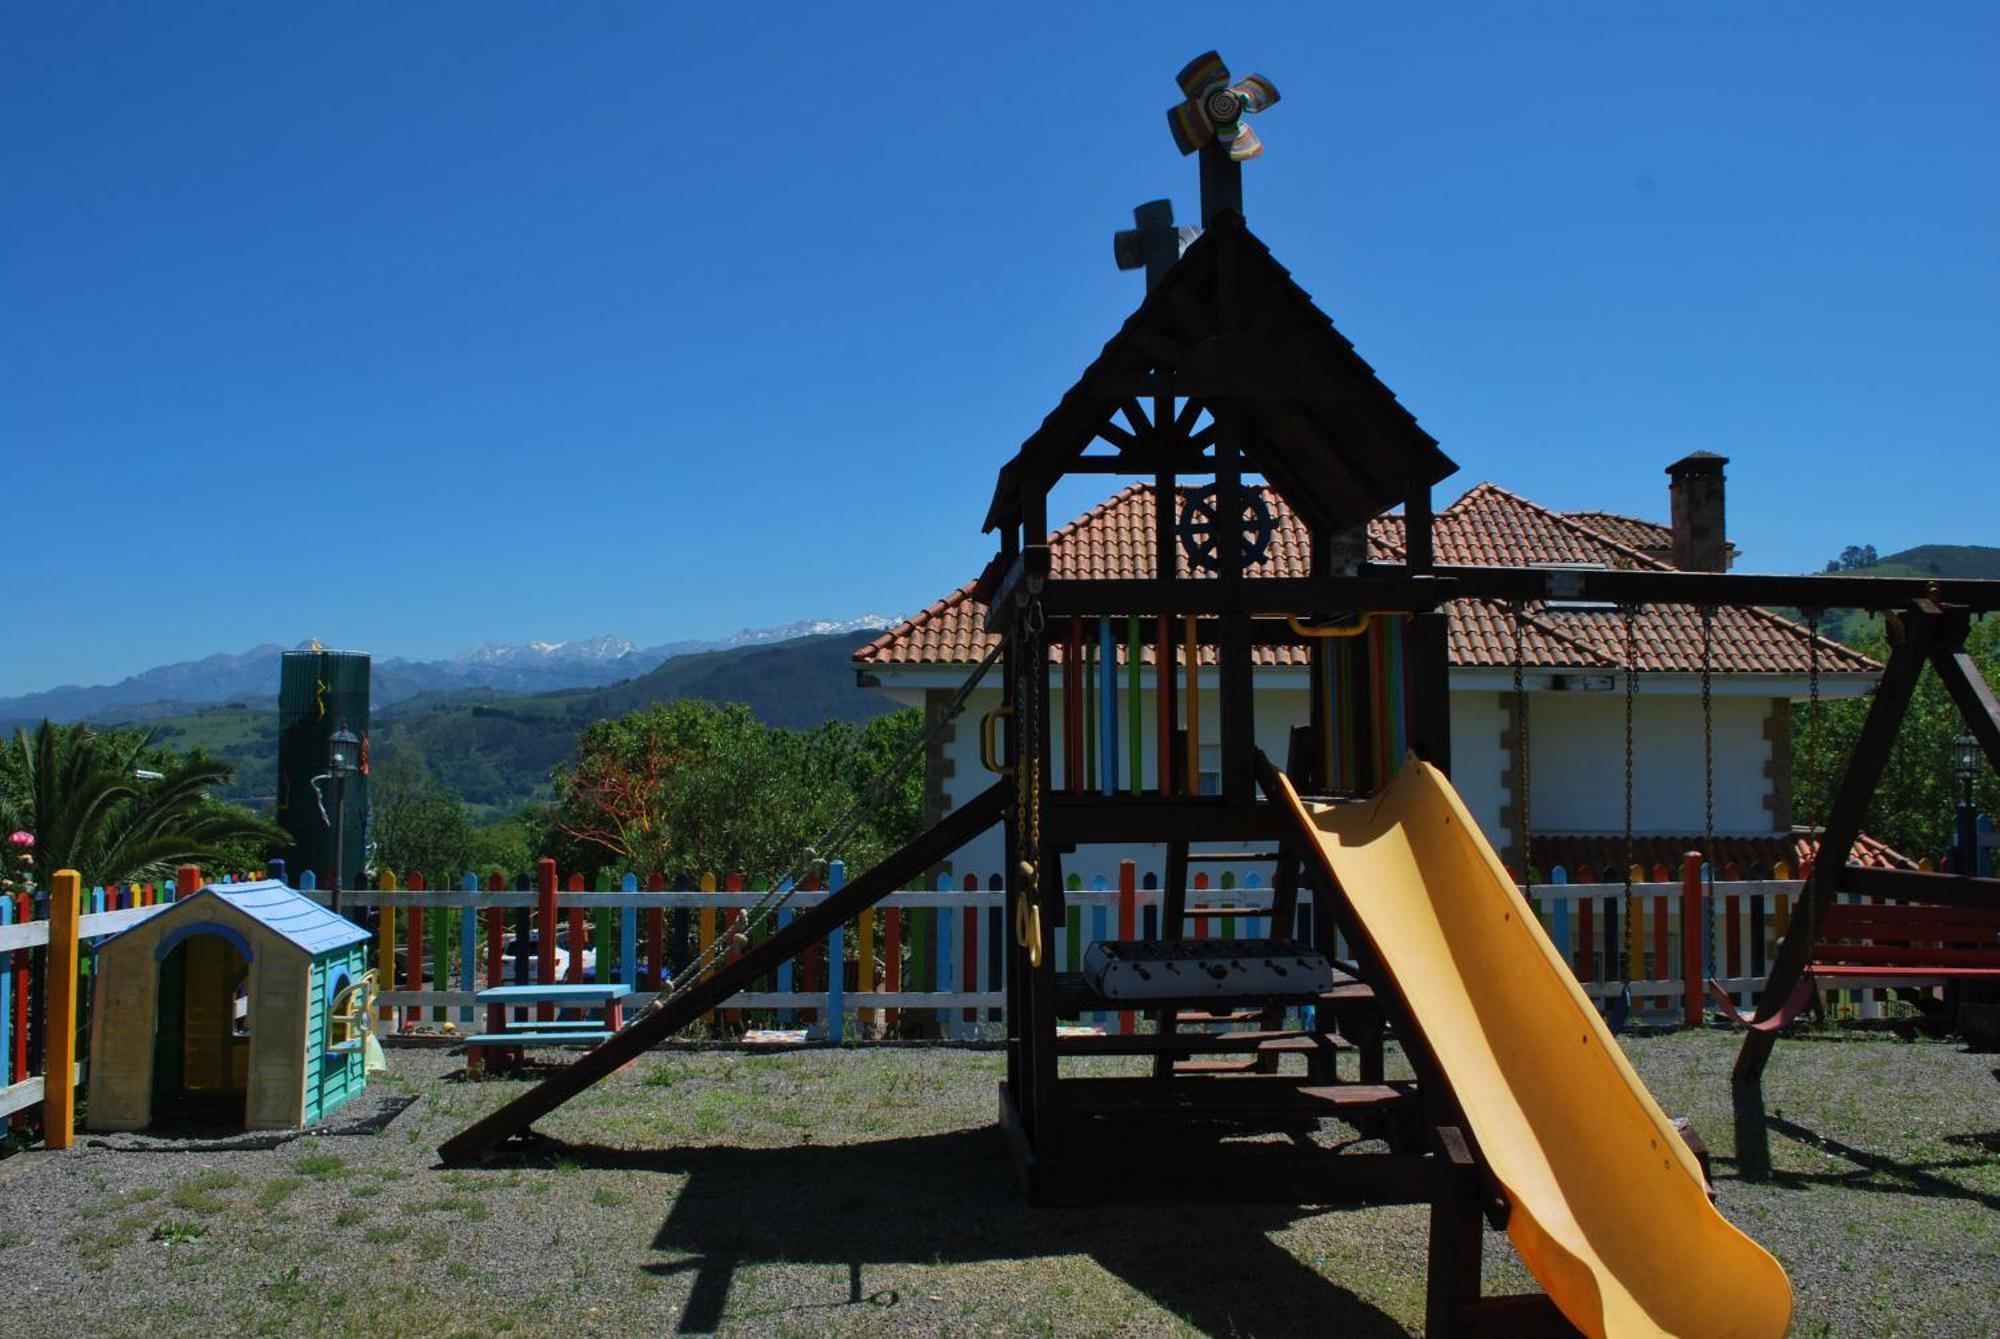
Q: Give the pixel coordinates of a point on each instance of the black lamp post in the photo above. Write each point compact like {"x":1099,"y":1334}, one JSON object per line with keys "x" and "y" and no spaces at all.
{"x":343,"y":760}
{"x":1966,"y":760}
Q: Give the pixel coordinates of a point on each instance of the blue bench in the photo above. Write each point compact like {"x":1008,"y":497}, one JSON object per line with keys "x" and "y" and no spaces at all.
{"x":602,"y":998}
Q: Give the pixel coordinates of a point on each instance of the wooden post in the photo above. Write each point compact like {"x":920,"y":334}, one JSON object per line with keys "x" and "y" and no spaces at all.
{"x":1694,"y":915}
{"x":413,"y":948}
{"x":59,"y":1044}
{"x":545,"y":931}
{"x":385,"y":961}
{"x":496,"y":954}
{"x":656,"y":936}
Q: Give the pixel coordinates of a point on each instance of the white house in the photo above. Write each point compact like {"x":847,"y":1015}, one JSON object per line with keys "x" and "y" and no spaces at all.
{"x":1574,"y":679}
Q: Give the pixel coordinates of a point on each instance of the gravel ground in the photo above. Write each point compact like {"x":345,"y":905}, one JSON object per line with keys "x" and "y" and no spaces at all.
{"x":851,"y":1192}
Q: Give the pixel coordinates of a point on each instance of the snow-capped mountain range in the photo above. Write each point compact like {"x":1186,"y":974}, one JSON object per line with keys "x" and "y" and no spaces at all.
{"x":526,"y":667}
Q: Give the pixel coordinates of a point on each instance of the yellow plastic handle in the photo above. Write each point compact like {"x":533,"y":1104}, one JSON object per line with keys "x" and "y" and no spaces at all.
{"x":1330,"y":630}
{"x":989,"y":741}
{"x":1028,"y":929}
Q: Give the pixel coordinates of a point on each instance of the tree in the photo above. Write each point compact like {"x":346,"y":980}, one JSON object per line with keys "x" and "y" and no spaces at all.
{"x":1853,"y":558}
{"x":688,"y":786}
{"x":419,"y":827}
{"x":1915,"y":807}
{"x":93,"y":804}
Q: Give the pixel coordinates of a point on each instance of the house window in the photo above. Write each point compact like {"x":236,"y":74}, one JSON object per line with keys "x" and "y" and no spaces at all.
{"x":1211,"y":769}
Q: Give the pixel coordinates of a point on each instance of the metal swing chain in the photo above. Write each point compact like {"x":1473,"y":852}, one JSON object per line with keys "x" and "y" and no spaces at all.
{"x":1812,"y":754}
{"x":1708,"y":737}
{"x":1029,"y":663}
{"x":1631,"y":613}
{"x":1523,"y":756}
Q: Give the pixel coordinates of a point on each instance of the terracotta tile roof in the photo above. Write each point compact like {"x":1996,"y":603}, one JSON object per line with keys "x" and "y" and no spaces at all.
{"x":1649,"y":537}
{"x":1602,"y":854}
{"x":1646,"y":536}
{"x":1487,"y":526}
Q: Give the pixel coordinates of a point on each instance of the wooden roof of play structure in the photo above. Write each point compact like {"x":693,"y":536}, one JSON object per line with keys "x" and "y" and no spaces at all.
{"x":1331,"y":438}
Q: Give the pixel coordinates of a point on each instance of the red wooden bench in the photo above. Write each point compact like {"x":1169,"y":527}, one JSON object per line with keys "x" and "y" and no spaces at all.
{"x":1864,"y":945}
{"x":1901,"y":944}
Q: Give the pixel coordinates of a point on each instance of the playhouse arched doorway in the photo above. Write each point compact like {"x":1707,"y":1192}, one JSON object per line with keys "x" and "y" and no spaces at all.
{"x":201,"y":1030}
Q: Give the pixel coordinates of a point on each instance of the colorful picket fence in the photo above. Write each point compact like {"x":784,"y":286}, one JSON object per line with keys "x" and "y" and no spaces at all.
{"x":926,"y":962}
{"x":932,"y":961}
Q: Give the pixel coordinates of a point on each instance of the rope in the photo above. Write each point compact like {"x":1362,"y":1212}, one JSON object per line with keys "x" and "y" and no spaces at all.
{"x":781,"y":889}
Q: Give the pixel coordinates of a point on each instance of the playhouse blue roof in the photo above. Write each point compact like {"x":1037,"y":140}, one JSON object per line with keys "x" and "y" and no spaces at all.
{"x":286,"y":911}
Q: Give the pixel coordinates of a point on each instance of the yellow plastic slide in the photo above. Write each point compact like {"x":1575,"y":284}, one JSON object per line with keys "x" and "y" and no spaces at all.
{"x":1608,"y":1209}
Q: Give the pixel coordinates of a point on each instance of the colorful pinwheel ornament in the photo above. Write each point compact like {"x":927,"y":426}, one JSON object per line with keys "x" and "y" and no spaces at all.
{"x":1215,"y":108}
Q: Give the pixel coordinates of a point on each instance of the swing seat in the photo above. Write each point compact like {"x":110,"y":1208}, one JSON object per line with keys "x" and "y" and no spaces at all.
{"x":1803,"y":996}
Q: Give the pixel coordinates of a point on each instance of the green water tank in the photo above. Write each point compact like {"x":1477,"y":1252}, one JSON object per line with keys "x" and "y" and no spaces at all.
{"x":320,"y":692}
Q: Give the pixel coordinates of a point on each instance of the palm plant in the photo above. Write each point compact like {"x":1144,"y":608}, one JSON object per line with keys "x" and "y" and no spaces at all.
{"x":81,"y":794}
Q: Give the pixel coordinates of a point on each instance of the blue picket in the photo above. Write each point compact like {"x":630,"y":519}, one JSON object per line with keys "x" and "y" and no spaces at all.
{"x":836,"y":962}
{"x":468,"y":949}
{"x":628,"y":935}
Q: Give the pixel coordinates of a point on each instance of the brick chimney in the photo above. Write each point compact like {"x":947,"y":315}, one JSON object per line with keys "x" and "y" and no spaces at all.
{"x":1695,"y":486}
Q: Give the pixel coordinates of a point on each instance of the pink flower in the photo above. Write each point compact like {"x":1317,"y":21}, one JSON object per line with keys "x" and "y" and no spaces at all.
{"x":23,"y":838}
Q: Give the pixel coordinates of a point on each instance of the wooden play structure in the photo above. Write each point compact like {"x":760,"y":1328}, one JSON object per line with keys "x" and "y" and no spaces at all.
{"x":245,"y":1000}
{"x":1521,"y":1113}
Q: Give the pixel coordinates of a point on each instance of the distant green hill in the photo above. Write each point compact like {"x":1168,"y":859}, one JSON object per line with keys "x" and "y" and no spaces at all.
{"x":1965,"y":561}
{"x":495,"y":750}
{"x":1976,"y":561}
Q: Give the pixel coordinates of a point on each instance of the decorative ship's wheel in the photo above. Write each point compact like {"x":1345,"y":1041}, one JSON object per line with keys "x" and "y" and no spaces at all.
{"x":1202,"y":529}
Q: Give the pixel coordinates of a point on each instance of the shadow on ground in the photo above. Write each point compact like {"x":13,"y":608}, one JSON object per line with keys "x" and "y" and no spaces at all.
{"x":1869,"y":1170}
{"x":951,"y":1199}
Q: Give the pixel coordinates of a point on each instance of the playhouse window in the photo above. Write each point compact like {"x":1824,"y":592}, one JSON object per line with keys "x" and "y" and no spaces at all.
{"x":239,"y":1007}
{"x":342,"y":1003}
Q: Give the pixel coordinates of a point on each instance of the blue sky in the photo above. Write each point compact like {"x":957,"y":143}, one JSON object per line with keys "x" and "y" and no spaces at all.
{"x":411,"y":326}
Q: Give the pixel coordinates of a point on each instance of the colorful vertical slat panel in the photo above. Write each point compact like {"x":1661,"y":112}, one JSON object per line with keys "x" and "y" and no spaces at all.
{"x":946,"y":965}
{"x":836,"y":963}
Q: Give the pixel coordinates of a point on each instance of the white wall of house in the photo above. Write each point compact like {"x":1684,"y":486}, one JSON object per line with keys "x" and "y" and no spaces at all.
{"x":1578,"y":765}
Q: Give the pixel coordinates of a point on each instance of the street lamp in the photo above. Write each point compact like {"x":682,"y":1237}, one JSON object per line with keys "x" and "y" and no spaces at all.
{"x":1965,"y":760}
{"x":343,"y":760}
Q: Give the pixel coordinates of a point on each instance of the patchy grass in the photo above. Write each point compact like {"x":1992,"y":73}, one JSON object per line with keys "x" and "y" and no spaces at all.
{"x":319,"y":1166}
{"x":276,"y":1191}
{"x":177,"y":1231}
{"x":198,"y":1194}
{"x":864,"y":1191}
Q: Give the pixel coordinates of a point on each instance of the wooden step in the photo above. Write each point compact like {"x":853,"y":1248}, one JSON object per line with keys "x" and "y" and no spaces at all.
{"x":1203,"y":1043}
{"x":1198,"y":1016}
{"x":1248,"y":1066}
{"x":1246,"y":1095}
{"x":1074,"y":996}
{"x":1223,"y":913}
